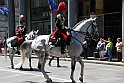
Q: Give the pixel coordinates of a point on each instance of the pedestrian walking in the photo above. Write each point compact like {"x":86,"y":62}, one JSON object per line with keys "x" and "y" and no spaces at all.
{"x":52,"y":58}
{"x":119,"y":46}
{"x":85,"y":48}
{"x":109,"y":47}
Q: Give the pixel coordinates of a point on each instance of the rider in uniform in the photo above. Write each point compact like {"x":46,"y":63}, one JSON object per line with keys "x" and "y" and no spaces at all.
{"x":60,"y":28}
{"x":21,"y":31}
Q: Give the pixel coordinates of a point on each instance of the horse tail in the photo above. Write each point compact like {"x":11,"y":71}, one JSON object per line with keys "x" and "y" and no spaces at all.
{"x":5,"y":50}
{"x":22,"y":56}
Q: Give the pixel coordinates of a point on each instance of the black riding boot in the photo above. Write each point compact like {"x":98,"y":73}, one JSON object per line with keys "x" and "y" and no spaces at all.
{"x":63,"y":47}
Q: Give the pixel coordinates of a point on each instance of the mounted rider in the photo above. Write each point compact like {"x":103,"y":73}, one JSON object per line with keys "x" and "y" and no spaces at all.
{"x":60,"y":28}
{"x":21,"y":32}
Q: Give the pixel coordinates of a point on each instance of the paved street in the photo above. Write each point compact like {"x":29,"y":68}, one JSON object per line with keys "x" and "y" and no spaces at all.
{"x":94,"y":73}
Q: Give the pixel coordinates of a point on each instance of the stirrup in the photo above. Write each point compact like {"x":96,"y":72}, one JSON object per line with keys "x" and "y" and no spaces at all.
{"x":64,"y":51}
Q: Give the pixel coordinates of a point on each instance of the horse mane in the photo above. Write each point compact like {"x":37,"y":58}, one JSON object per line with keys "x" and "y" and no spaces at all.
{"x":81,"y":22}
{"x":78,"y":24}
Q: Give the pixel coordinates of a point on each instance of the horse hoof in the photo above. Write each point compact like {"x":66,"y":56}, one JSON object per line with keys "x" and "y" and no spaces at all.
{"x":12,"y":67}
{"x":81,"y":79}
{"x":49,"y":81}
{"x":38,"y":66}
{"x":21,"y":68}
{"x":73,"y":81}
{"x":31,"y":69}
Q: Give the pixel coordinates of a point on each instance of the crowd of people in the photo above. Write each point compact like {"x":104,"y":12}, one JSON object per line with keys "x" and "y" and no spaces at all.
{"x":106,"y":47}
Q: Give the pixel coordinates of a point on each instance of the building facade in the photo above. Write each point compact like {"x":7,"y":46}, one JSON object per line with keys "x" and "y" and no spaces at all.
{"x":109,"y":15}
{"x":38,"y":15}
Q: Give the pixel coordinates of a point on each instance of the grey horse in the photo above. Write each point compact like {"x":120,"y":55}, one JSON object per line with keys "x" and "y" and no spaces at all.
{"x":12,"y":50}
{"x":42,"y":48}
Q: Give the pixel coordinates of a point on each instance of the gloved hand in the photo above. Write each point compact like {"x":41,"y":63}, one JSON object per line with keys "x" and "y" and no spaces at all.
{"x":67,"y":27}
{"x":63,"y":27}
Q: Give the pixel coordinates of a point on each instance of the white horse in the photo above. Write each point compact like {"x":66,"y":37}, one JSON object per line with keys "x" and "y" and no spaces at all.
{"x":12,"y":50}
{"x":42,"y":47}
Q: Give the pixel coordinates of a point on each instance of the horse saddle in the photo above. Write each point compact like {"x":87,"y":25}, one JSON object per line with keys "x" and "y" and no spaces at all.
{"x":14,"y":42}
{"x":57,"y":42}
{"x":56,"y":39}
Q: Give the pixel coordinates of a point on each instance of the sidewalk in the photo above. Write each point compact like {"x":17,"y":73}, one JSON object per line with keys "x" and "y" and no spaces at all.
{"x":89,"y":60}
{"x":97,"y":61}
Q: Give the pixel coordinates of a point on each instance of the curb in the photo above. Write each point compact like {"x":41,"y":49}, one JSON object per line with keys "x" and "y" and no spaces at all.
{"x":84,"y":60}
{"x":98,"y":62}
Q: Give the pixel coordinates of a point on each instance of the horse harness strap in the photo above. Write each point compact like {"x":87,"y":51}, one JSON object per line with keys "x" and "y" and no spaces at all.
{"x":85,"y":33}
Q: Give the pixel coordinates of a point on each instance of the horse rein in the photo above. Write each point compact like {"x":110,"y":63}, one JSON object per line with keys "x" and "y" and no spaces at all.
{"x":84,"y":33}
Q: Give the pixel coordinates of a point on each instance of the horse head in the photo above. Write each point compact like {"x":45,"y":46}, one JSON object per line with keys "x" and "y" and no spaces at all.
{"x":92,"y":30}
{"x":88,"y":27}
{"x":32,"y":35}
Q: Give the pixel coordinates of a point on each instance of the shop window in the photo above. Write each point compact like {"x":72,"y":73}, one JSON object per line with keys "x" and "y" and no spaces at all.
{"x":43,"y":27}
{"x":99,"y":6}
{"x":47,"y":28}
{"x":38,"y":26}
{"x":2,"y":2}
{"x":83,"y":8}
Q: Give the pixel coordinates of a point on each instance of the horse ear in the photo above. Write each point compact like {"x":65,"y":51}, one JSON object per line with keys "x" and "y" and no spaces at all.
{"x":95,"y":18}
{"x":37,"y":31}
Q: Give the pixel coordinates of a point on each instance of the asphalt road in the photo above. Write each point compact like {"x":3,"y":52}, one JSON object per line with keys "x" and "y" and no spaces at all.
{"x":93,"y":73}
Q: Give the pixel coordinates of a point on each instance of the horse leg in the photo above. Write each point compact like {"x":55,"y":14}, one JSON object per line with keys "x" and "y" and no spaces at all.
{"x":30,"y":63}
{"x":73,"y":63}
{"x":11,"y":55}
{"x":82,"y":68}
{"x":45,"y":59}
{"x":11,"y":59}
{"x":41,"y":65}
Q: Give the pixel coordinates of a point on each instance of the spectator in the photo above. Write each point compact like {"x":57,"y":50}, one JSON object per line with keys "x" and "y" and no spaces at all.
{"x":119,"y":46}
{"x":4,"y":42}
{"x":101,"y":48}
{"x":57,"y":61}
{"x":109,"y":48}
{"x":85,"y":48}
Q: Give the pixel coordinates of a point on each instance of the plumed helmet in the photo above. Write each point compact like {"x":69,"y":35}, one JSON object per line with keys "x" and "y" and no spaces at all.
{"x":22,"y":19}
{"x":62,"y":6}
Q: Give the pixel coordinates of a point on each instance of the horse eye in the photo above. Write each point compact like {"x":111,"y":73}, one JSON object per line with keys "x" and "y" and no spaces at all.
{"x":94,"y":21}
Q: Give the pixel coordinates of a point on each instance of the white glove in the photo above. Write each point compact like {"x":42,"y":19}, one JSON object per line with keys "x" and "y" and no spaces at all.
{"x":59,"y":16}
{"x":63,"y":27}
{"x":66,"y":27}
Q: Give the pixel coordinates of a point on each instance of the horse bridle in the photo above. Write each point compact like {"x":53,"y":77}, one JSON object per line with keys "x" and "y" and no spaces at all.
{"x":87,"y":33}
{"x":32,"y":36}
{"x":93,"y":28}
